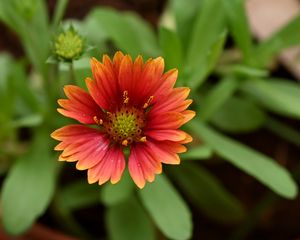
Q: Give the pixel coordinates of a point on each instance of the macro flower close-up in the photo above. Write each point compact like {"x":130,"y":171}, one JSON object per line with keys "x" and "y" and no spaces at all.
{"x":150,"y":120}
{"x":132,"y":105}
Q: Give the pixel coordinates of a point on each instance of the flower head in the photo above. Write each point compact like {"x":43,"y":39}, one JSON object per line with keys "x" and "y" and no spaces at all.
{"x":68,"y":45}
{"x":132,"y":105}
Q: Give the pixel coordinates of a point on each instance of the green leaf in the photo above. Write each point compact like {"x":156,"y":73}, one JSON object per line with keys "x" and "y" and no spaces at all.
{"x":239,"y":27}
{"x":29,"y":19}
{"x":171,"y":46}
{"x":217,"y":97}
{"x":128,"y":221}
{"x":239,"y":115}
{"x":144,"y":34}
{"x":261,"y":167}
{"x":29,"y":186}
{"x":112,"y":194}
{"x":5,"y":66}
{"x":6,"y":93}
{"x":243,"y":71}
{"x":28,"y":121}
{"x":202,"y":37}
{"x":77,"y":195}
{"x":185,"y":12}
{"x":200,"y":73}
{"x":167,"y":208}
{"x":207,"y":193}
{"x":129,"y":32}
{"x":287,"y":36}
{"x":59,"y":11}
{"x":279,"y":96}
{"x":196,"y":153}
{"x":284,"y":131}
{"x":23,"y":89}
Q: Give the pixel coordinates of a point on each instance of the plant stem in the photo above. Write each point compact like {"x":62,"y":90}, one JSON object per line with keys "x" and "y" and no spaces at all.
{"x":72,"y":73}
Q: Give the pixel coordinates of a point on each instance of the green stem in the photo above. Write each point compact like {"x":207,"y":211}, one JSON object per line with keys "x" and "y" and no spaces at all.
{"x":65,"y":218}
{"x":72,"y":73}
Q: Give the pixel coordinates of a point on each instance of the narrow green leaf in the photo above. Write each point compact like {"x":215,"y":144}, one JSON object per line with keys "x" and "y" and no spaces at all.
{"x":239,"y":115}
{"x":284,"y":131}
{"x":217,"y":97}
{"x":243,"y":71}
{"x":28,"y":121}
{"x":200,"y":73}
{"x":287,"y":36}
{"x":29,"y":19}
{"x":171,"y":46}
{"x":5,"y":66}
{"x":280,"y":96}
{"x":197,"y":153}
{"x":6,"y":93}
{"x":114,"y":194}
{"x":261,"y":167}
{"x":24,"y":90}
{"x":167,"y":208}
{"x":207,"y":193}
{"x":239,"y":27}
{"x":78,"y":195}
{"x":128,"y":221}
{"x":202,"y":39}
{"x":28,"y":188}
{"x":59,"y":11}
{"x":185,"y":12}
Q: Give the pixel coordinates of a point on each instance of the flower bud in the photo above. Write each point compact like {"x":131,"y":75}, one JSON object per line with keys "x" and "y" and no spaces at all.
{"x":68,"y":45}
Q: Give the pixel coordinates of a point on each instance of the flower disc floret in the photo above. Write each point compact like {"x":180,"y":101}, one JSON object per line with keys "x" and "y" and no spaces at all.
{"x":125,"y":126}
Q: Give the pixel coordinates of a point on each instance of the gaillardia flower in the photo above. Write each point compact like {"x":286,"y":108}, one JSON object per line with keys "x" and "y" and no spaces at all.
{"x":129,"y":105}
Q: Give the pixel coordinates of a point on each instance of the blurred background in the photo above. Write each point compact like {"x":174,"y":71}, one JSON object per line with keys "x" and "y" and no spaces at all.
{"x":266,"y":215}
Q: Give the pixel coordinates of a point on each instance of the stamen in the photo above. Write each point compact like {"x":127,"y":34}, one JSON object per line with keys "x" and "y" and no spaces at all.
{"x":148,"y":102}
{"x":143,"y":139}
{"x":125,"y":97}
{"x":125,"y":142}
{"x":125,"y":125}
{"x":98,"y":121}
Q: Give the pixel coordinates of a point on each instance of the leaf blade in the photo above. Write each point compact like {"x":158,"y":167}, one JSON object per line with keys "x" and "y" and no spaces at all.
{"x":261,"y":167}
{"x":128,"y":221}
{"x":167,"y":209}
{"x":28,"y":188}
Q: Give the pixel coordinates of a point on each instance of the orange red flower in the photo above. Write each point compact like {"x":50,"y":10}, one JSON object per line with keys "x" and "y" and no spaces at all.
{"x":132,"y":105}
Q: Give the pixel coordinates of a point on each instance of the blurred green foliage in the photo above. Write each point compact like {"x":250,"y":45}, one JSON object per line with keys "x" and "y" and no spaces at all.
{"x":231,"y":95}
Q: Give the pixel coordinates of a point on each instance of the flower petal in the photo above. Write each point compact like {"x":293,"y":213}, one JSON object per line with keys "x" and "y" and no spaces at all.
{"x":167,"y":82}
{"x":165,"y":151}
{"x":117,"y":61}
{"x":167,"y":134}
{"x":98,"y":94}
{"x":175,"y":101}
{"x":83,"y":144}
{"x":151,"y":79}
{"x":188,"y":115}
{"x":106,"y":81}
{"x":142,"y":166}
{"x":79,"y":106}
{"x":111,"y":167}
{"x":165,"y":120}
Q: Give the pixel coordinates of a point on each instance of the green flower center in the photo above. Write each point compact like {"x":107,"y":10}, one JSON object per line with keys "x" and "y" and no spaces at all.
{"x":125,"y":126}
{"x":68,"y":45}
